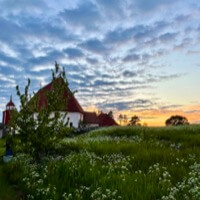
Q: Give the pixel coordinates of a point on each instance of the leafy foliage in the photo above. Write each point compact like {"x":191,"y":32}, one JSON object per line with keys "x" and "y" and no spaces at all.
{"x":155,"y":163}
{"x":176,"y":121}
{"x":134,"y":120}
{"x":122,"y":119}
{"x":40,"y":127}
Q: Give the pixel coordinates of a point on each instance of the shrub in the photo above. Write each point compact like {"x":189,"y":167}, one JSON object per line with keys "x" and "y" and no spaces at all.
{"x":176,"y":120}
{"x":38,"y":129}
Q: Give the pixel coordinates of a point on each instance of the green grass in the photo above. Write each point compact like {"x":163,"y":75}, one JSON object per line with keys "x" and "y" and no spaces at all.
{"x":2,"y":147}
{"x":117,"y":163}
{"x":7,"y":191}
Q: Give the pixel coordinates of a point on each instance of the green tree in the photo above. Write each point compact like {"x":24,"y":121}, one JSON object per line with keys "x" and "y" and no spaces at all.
{"x":40,"y":128}
{"x":134,"y":120}
{"x":125,"y":119}
{"x":120,"y":118}
{"x":176,"y":120}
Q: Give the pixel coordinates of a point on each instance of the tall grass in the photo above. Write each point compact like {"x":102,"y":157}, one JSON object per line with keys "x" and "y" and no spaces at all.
{"x":7,"y":191}
{"x":2,"y":147}
{"x":116,"y":163}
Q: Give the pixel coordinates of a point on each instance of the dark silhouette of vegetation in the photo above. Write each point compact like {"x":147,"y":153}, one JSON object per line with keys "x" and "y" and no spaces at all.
{"x":176,"y":120}
{"x":125,"y":119}
{"x":134,"y":120}
{"x":122,"y":119}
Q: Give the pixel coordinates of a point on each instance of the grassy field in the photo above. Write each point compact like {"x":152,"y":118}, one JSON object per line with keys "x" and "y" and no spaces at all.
{"x":7,"y":191}
{"x":2,"y":147}
{"x":138,"y":163}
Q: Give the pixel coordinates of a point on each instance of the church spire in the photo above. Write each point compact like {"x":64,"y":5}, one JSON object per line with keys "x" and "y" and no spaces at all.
{"x":10,"y":104}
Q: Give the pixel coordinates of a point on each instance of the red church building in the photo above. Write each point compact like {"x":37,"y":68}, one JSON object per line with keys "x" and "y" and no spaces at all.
{"x":7,"y":115}
{"x":75,"y":113}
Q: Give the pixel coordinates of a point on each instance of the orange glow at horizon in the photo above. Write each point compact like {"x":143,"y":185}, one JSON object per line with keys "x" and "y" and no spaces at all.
{"x":156,"y":117}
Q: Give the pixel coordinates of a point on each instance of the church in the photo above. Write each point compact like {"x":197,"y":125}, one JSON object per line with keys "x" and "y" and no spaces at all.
{"x":75,"y":112}
{"x":6,"y":117}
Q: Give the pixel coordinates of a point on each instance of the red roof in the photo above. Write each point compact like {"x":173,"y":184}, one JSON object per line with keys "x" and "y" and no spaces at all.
{"x":6,"y":113}
{"x":106,"y":120}
{"x":72,"y":104}
{"x":90,"y":118}
{"x":10,"y":103}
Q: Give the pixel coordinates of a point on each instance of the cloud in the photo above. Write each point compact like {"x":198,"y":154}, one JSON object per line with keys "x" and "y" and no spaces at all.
{"x":182,"y":18}
{"x":28,"y":6}
{"x":112,"y":8}
{"x":193,"y":52}
{"x":192,"y":111}
{"x":103,"y":83}
{"x":112,"y":50}
{"x":167,"y":37}
{"x":183,"y":44}
{"x":126,"y":105}
{"x":86,"y":15}
{"x":36,"y":32}
{"x":8,"y":59}
{"x":120,"y":35}
{"x":129,"y":74}
{"x":138,"y":33}
{"x":95,"y":46}
{"x":10,"y":27}
{"x":158,"y":78}
{"x":8,"y":79}
{"x":92,"y":60}
{"x":152,"y":4}
{"x":170,"y":107}
{"x":49,"y":58}
{"x":45,"y":30}
{"x":131,"y":58}
{"x":10,"y":69}
{"x":73,"y":52}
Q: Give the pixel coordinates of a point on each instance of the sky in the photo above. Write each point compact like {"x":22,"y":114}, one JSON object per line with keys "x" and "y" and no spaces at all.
{"x":134,"y":57}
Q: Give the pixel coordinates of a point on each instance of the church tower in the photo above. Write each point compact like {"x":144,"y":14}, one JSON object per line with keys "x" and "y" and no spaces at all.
{"x":7,"y":114}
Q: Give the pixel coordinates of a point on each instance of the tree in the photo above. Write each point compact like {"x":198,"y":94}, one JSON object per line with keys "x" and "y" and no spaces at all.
{"x":176,"y":120}
{"x":125,"y":119}
{"x":134,"y":120}
{"x":145,"y":124}
{"x":120,"y":118}
{"x":39,"y":129}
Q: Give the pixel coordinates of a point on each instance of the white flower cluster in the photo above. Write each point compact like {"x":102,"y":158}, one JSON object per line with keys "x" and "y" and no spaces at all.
{"x":34,"y":179}
{"x":100,"y":139}
{"x":99,"y":194}
{"x":188,"y":188}
{"x":176,"y":146}
{"x":164,"y":178}
{"x":104,"y":167}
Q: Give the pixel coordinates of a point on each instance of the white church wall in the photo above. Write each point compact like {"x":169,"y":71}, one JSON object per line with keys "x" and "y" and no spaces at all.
{"x":74,"y":118}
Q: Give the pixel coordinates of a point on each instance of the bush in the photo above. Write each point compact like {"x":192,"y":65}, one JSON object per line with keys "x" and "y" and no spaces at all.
{"x":38,"y":129}
{"x":176,"y":121}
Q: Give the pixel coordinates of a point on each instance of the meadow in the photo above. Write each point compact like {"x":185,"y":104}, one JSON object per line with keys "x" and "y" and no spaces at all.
{"x":139,"y":163}
{"x":7,"y":190}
